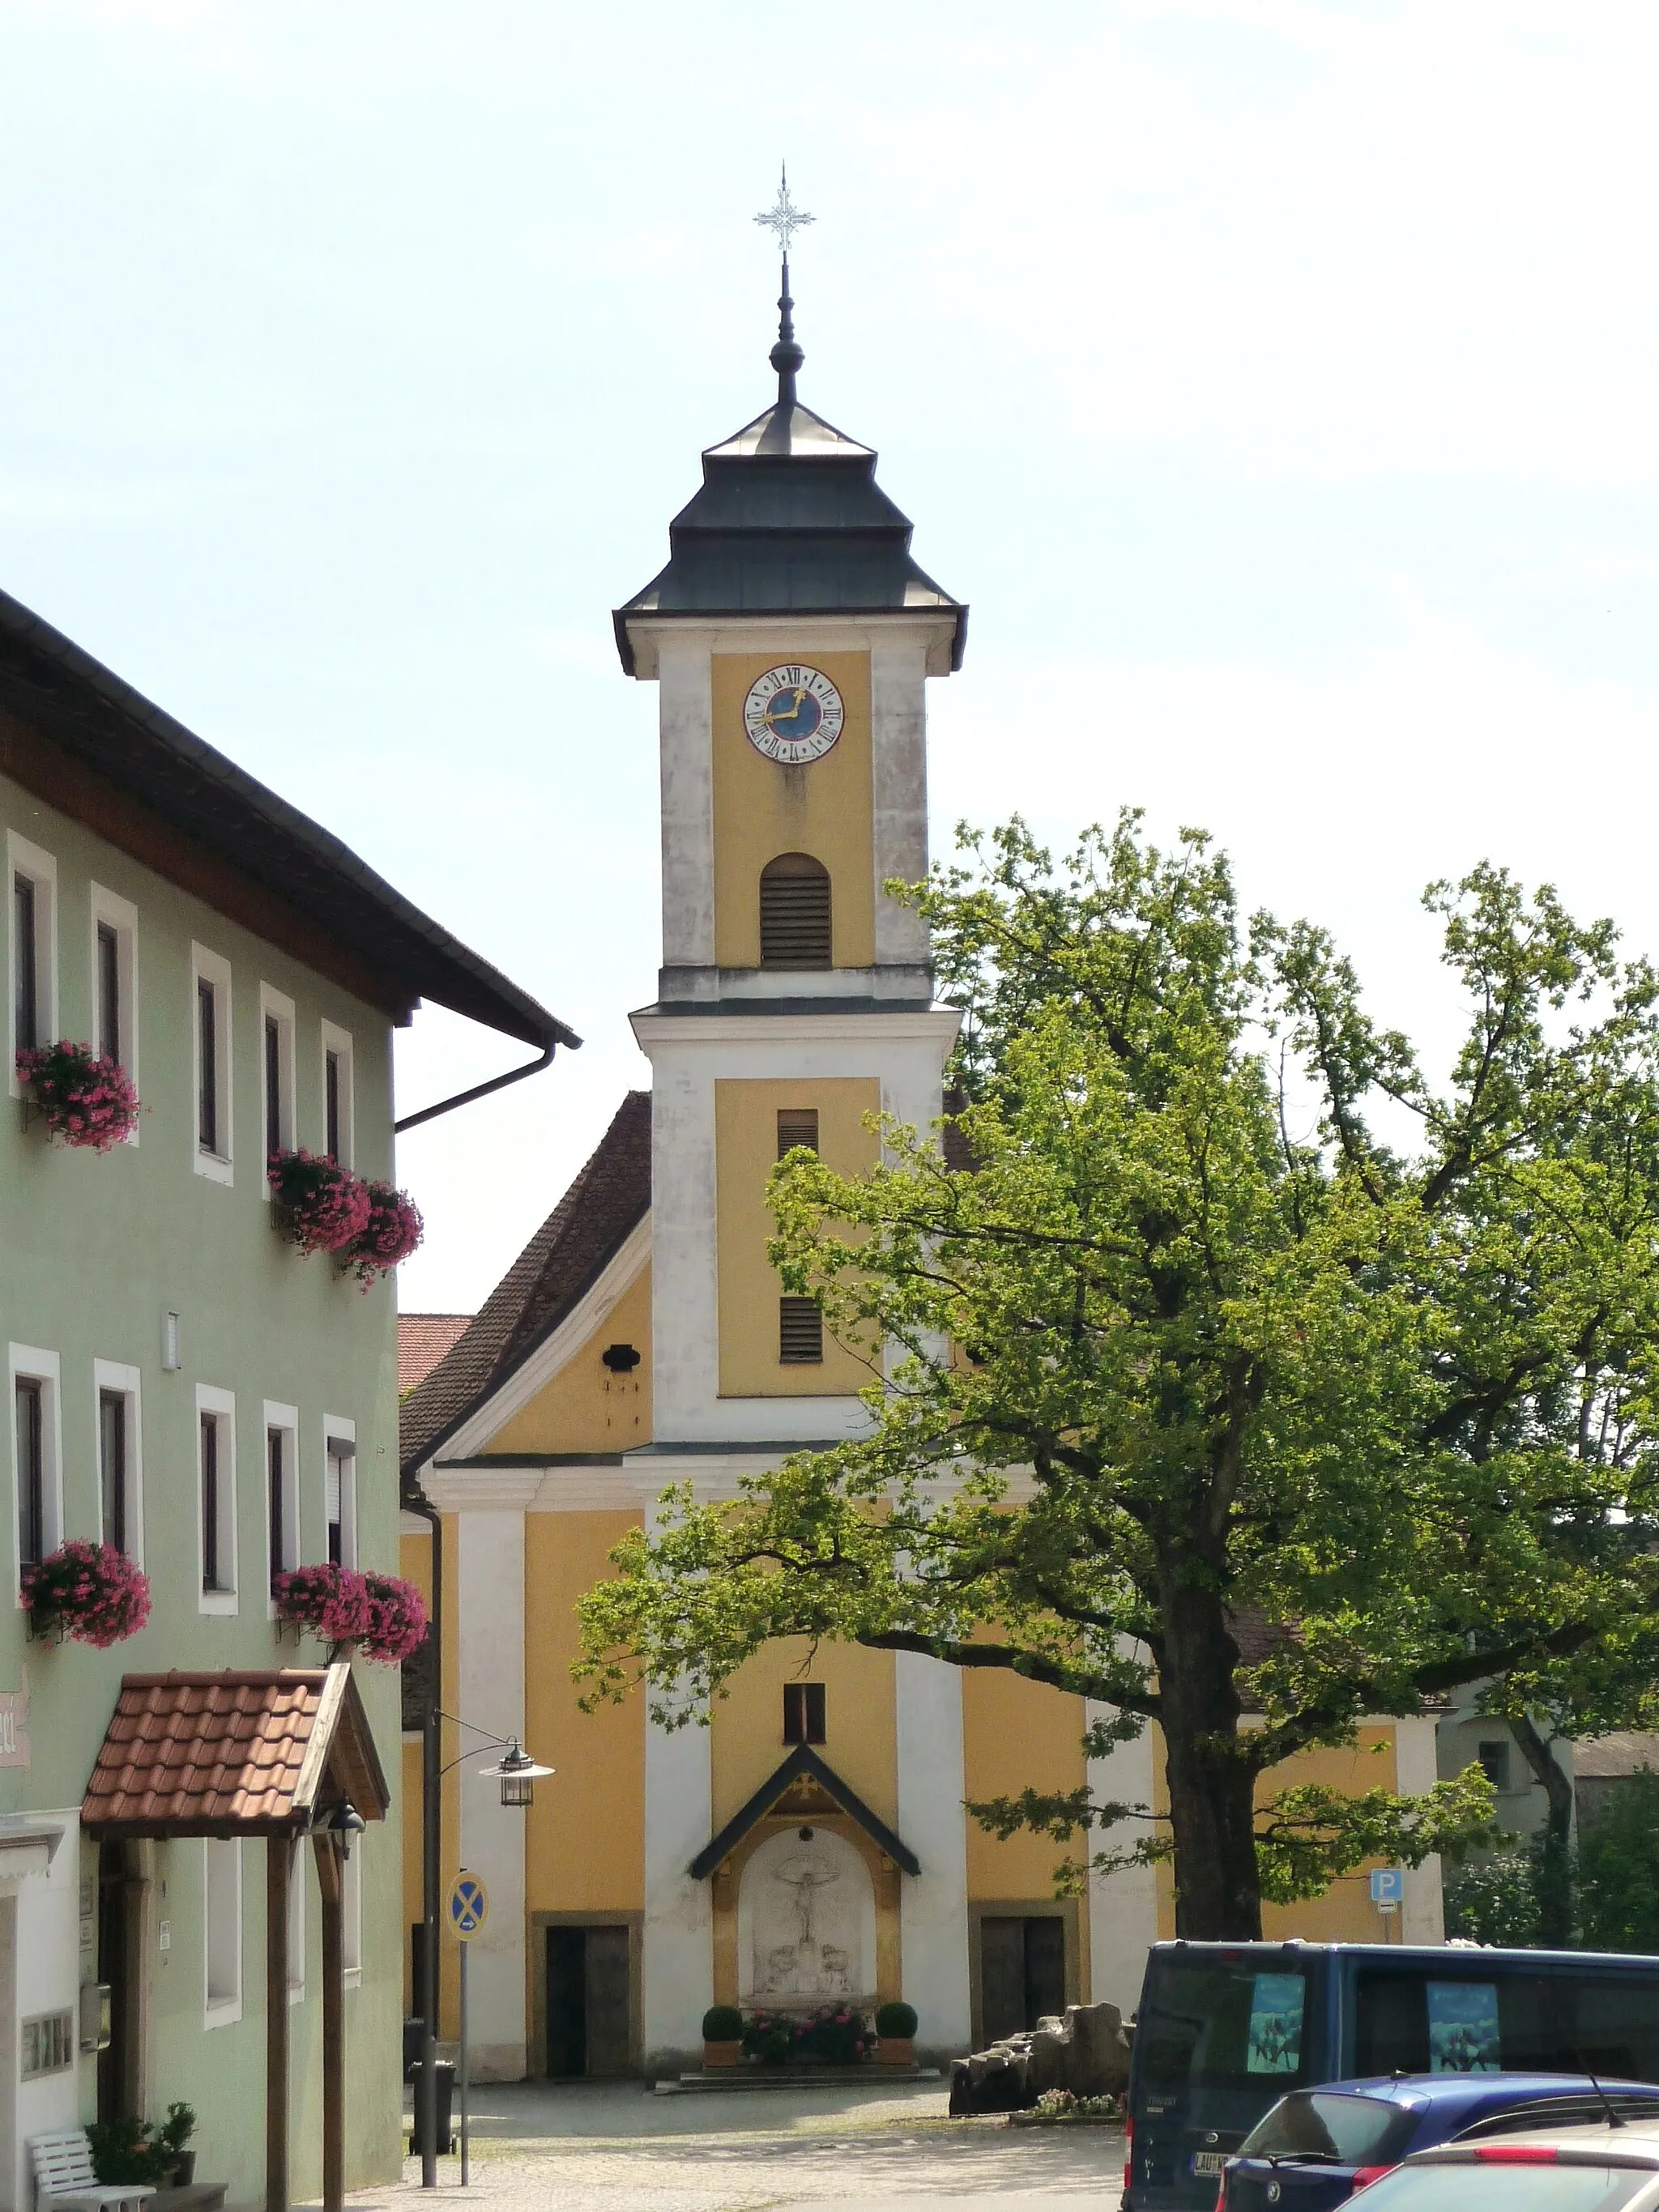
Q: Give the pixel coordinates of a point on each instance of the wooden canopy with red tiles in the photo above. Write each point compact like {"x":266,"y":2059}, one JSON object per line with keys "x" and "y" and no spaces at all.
{"x":247,"y":1753}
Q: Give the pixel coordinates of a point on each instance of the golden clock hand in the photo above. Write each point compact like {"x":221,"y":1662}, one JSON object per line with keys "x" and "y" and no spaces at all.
{"x":793,"y":707}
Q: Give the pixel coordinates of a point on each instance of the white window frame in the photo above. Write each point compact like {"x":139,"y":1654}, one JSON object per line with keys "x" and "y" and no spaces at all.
{"x":121,"y":915}
{"x":275,"y":1006}
{"x":221,"y":1404}
{"x":351,"y":1915}
{"x":123,"y":1381}
{"x":210,"y":968}
{"x":338,"y":1041}
{"x":34,"y":1365}
{"x":222,"y":2010}
{"x":334,"y":1425}
{"x":286,"y":1420}
{"x":296,"y":1922}
{"x":23,"y":858}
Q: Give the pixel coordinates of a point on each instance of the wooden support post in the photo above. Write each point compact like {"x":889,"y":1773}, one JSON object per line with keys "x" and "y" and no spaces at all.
{"x":330,"y":1882}
{"x":279,"y":1856}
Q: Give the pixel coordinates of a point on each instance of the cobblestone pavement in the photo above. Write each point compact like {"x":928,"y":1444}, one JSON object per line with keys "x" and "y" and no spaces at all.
{"x":616,"y":2148}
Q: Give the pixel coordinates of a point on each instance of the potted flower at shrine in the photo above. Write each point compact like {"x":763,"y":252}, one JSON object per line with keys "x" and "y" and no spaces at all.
{"x":896,"y":2028}
{"x":330,"y":1600}
{"x":90,"y":1591}
{"x":722,"y":2036}
{"x":397,"y":1620}
{"x":84,"y":1097}
{"x":320,"y":1206}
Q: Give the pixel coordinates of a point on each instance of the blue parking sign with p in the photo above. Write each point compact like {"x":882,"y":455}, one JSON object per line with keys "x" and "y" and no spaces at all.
{"x":469,"y":1905}
{"x":1387,"y":1887}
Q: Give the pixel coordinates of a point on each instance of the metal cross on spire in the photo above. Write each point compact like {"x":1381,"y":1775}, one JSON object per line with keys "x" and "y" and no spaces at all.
{"x":783,"y":218}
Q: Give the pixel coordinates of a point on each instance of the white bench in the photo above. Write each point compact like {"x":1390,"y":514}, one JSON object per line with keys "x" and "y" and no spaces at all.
{"x":64,"y":2179}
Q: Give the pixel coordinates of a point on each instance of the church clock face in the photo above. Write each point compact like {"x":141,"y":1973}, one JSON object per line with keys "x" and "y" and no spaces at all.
{"x":792,"y":714}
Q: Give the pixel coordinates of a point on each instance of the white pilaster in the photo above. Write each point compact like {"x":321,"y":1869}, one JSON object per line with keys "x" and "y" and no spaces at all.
{"x":677,"y":1967}
{"x":1123,"y":1907}
{"x":933,"y":1904}
{"x":1422,"y":1915}
{"x":687,"y":805}
{"x":490,"y":1654}
{"x":898,"y":746}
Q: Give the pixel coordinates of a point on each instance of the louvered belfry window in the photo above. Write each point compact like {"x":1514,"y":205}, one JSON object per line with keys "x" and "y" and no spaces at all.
{"x":795,"y":912}
{"x":797,"y":1125}
{"x":801,"y":1332}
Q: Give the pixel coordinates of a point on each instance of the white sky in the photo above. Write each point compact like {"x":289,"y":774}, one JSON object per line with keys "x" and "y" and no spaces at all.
{"x":1276,"y":380}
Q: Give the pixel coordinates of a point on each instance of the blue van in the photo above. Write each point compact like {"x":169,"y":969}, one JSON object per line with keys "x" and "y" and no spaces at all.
{"x":1224,"y":2029}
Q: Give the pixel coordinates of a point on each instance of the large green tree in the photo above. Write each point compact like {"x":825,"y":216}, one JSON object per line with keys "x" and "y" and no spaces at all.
{"x":1176,"y":1344}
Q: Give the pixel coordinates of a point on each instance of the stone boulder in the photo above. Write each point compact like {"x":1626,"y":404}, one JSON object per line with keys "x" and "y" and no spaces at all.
{"x":1086,"y":2052}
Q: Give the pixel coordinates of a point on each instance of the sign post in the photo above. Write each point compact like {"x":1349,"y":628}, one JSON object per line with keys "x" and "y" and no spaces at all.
{"x":1389,"y":1894}
{"x":468,"y":1909}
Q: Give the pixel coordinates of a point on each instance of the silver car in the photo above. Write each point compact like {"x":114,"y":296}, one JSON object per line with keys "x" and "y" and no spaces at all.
{"x":1592,"y":2168}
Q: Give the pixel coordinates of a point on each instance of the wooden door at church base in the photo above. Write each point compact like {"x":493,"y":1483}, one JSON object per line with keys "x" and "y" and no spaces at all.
{"x":1021,"y":1972}
{"x":589,"y":2011}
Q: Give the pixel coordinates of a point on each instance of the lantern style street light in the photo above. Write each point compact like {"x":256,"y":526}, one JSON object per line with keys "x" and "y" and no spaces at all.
{"x":517,"y":1774}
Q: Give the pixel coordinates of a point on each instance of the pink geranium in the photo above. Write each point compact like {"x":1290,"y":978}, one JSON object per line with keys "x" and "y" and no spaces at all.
{"x":91,"y":1591}
{"x":397,"y":1620}
{"x":332,"y":1601}
{"x":393,"y":1230}
{"x":321,"y":1206}
{"x":85,"y":1098}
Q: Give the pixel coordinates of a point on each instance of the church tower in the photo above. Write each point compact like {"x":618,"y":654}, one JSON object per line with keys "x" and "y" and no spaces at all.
{"x":792,"y":637}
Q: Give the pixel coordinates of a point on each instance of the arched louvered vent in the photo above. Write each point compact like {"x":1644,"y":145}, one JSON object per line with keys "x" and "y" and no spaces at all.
{"x":795,"y":912}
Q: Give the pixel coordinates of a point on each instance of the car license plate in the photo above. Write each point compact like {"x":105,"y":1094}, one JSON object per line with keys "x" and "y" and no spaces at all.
{"x":1210,"y":2162}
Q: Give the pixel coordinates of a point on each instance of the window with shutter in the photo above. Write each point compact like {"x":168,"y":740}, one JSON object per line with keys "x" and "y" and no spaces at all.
{"x":794,"y":913}
{"x":797,"y":1125}
{"x":801,"y":1332}
{"x":803,"y":1713}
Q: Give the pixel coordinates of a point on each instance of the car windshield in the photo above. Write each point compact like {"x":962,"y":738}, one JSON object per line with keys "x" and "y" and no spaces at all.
{"x":1348,"y":2131}
{"x":1506,"y":2188}
{"x":1218,"y":2026}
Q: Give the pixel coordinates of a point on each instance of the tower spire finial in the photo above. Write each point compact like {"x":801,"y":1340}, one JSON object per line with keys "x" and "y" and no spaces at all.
{"x":786,"y":219}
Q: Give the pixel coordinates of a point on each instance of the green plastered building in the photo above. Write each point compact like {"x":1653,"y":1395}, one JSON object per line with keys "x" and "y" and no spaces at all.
{"x":184,"y":1384}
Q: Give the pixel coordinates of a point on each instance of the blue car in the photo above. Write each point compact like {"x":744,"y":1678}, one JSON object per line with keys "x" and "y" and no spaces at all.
{"x":1318,"y":2147}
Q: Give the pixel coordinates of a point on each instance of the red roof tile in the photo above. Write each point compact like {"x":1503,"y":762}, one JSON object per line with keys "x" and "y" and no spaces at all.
{"x":583,"y":1233}
{"x":231,"y":1753}
{"x":422,"y":1340}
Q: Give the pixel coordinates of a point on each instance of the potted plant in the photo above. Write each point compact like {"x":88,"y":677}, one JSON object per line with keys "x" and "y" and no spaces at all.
{"x":896,"y":2028}
{"x":397,"y":1620}
{"x":394,"y":1229}
{"x":320,"y":1206}
{"x":834,"y":2035}
{"x":84,"y":1097}
{"x":768,"y":2039}
{"x":722,"y":2036}
{"x":174,"y":2132}
{"x":90,"y":1591}
{"x":332,"y":1601}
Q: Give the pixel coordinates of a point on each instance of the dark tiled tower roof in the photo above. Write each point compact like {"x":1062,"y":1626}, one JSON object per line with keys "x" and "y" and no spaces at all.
{"x":790,"y":520}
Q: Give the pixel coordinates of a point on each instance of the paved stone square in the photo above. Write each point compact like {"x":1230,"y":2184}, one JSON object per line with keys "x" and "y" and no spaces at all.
{"x":538,"y":2147}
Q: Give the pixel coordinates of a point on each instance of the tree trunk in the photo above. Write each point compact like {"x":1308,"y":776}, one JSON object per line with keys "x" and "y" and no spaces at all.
{"x":1212,"y":1783}
{"x":1555,"y":1898}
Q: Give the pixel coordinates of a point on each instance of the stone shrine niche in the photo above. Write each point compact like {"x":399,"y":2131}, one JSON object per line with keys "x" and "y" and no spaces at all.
{"x":807,"y":1922}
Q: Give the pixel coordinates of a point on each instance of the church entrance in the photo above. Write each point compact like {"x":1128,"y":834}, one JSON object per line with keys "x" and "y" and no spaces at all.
{"x":1022,"y":1971}
{"x":588,"y":2009}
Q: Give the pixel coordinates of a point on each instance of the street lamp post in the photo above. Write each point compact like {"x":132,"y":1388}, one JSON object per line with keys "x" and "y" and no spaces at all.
{"x":517,"y":1774}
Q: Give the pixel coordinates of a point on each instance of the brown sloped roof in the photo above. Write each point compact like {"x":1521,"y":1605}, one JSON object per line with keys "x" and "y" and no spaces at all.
{"x":232,"y":1754}
{"x":1627,"y":1750}
{"x":607,"y":1201}
{"x":422,"y":1340}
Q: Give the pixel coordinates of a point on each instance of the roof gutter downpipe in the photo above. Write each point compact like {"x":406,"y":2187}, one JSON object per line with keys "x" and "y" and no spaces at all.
{"x":425,"y":2088}
{"x":483,"y":1090}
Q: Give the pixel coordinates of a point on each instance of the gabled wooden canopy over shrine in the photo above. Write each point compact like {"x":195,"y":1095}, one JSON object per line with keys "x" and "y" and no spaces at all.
{"x":805,"y":1787}
{"x":281,"y":1753}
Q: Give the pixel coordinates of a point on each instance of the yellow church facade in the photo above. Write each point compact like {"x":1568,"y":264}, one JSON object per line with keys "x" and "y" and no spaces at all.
{"x":806,"y":1839}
